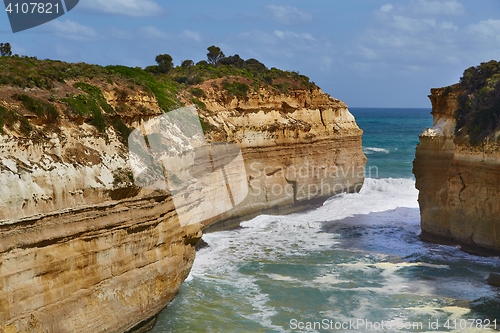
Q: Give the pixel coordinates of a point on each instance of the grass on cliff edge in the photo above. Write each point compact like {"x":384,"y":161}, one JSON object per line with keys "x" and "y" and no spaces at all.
{"x":28,"y":73}
{"x":161,"y":86}
{"x":31,"y":73}
{"x":478,"y":114}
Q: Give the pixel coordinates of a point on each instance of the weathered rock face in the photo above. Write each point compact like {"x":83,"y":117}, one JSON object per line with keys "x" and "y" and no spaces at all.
{"x":298,"y":148}
{"x":459,"y":185}
{"x":82,"y":249}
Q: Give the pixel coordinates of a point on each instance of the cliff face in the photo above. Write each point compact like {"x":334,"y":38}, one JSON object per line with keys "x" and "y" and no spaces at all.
{"x":459,"y":184}
{"x":83,"y":249}
{"x":298,"y":148}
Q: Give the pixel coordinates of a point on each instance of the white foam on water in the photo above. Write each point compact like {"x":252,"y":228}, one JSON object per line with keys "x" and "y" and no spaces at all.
{"x":371,"y":150}
{"x":376,"y":195}
{"x":393,"y":283}
{"x":328,"y":279}
{"x":279,"y":277}
{"x":271,"y":239}
{"x":271,"y":236}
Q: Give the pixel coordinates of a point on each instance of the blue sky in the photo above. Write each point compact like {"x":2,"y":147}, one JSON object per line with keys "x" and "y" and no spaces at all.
{"x":368,"y":53}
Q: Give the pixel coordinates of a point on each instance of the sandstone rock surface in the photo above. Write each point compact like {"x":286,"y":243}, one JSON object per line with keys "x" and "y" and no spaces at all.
{"x":82,"y":249}
{"x":298,"y":148}
{"x":459,"y":184}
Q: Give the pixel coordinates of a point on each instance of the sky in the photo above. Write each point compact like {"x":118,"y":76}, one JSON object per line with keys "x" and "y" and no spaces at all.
{"x":368,"y":53}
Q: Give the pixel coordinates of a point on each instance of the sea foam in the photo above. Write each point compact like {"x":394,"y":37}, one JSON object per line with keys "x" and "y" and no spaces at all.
{"x":269,"y":237}
{"x":372,"y":150}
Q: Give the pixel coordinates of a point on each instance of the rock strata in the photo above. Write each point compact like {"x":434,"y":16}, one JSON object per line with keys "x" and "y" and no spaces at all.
{"x":83,"y":249}
{"x":459,"y":184}
{"x":299,"y":148}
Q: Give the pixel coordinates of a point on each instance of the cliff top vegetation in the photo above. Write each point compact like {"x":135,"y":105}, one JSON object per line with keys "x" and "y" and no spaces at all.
{"x":48,"y":89}
{"x":478,"y":115}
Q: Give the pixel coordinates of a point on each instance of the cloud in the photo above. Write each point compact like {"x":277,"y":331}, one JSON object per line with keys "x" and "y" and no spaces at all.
{"x":410,"y":25}
{"x":135,"y":8}
{"x":434,"y":7}
{"x":153,"y":32}
{"x":72,"y":30}
{"x":448,"y":25}
{"x":116,"y":33}
{"x":288,"y":14}
{"x":282,"y":48}
{"x":488,"y":30}
{"x":408,"y":40}
{"x":196,"y":36}
{"x":293,"y":35}
{"x":402,"y":44}
{"x":386,"y":8}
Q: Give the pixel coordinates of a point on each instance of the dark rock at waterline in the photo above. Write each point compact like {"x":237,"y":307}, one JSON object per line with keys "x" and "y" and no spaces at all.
{"x":201,"y":244}
{"x":494,"y":279}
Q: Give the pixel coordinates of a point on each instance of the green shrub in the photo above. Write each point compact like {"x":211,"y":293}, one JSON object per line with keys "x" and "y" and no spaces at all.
{"x":478,"y":113}
{"x":122,"y":129}
{"x":40,"y":108}
{"x":81,"y":105}
{"x":27,"y":72}
{"x":163,"y":88}
{"x":236,"y":88}
{"x":282,"y":87}
{"x":205,"y":125}
{"x":98,"y":120}
{"x":199,"y":103}
{"x":24,"y":126}
{"x":95,"y":93}
{"x":86,"y":106}
{"x":234,"y":66}
{"x":7,"y":117}
{"x":197,"y":92}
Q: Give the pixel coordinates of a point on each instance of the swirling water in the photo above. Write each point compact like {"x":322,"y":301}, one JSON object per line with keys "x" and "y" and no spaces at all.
{"x":354,"y":264}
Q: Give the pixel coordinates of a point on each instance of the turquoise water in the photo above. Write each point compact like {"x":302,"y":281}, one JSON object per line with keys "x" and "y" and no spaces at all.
{"x":390,"y":137}
{"x":354,"y":264}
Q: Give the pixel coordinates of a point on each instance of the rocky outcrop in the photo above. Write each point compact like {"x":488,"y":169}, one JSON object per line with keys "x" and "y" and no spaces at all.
{"x":459,"y":184}
{"x":83,"y":249}
{"x":299,"y":148}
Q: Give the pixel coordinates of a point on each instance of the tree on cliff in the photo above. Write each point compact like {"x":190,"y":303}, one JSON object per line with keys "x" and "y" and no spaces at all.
{"x":164,"y":62}
{"x":187,"y":63}
{"x":214,"y":54}
{"x":5,"y":50}
{"x":234,"y":60}
{"x":256,"y":66}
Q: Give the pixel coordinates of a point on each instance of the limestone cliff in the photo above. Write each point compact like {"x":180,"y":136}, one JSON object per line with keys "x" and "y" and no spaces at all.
{"x":298,"y":148}
{"x":458,"y":183}
{"x":83,"y":249}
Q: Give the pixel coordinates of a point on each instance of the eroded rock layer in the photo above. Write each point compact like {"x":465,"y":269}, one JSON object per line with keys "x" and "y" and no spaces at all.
{"x":298,"y":148}
{"x":459,"y":184}
{"x":83,"y":249}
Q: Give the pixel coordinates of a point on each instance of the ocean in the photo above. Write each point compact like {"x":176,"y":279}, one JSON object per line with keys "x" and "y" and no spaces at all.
{"x":355,"y":264}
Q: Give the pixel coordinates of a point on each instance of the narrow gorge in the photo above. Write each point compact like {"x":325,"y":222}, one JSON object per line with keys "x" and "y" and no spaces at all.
{"x":82,"y":247}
